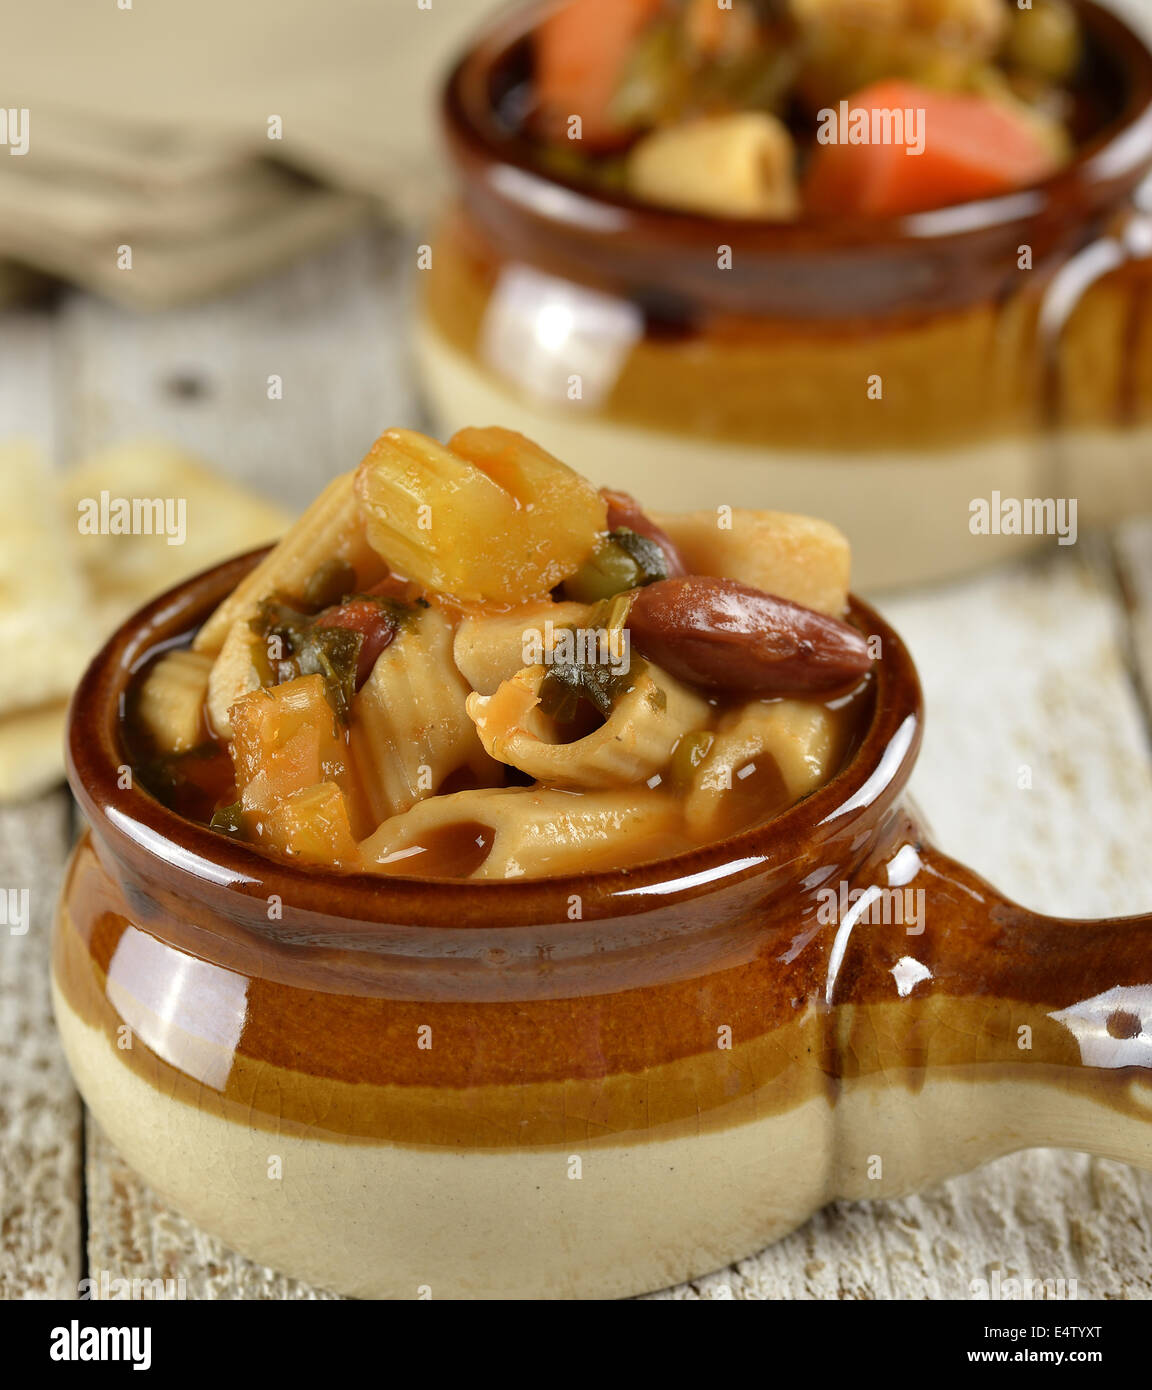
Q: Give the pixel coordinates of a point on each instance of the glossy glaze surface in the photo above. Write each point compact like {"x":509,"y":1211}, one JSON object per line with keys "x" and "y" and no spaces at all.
{"x":672,"y":337}
{"x":837,"y":269}
{"x":726,"y":985}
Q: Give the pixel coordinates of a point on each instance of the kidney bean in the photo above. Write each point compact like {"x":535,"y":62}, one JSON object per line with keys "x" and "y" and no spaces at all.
{"x":728,"y":636}
{"x":374,"y":621}
{"x":625,"y":511}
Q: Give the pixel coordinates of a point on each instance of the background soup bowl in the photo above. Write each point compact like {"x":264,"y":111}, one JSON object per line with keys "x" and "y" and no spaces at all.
{"x":578,"y":1087}
{"x":756,"y":381}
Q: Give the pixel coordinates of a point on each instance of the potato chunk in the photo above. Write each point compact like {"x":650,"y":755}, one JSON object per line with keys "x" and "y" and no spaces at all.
{"x":312,"y":825}
{"x":490,"y":517}
{"x":286,"y":739}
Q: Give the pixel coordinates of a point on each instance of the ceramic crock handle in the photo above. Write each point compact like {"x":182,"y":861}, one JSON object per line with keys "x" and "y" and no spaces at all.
{"x":1127,"y":242}
{"x":1054,"y":1014}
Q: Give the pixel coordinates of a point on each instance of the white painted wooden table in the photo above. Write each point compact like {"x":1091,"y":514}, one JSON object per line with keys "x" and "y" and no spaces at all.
{"x":1047,"y":664}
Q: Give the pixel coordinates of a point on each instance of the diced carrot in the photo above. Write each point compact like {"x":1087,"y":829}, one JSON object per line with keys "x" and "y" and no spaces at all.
{"x":581,"y":50}
{"x":974,"y":147}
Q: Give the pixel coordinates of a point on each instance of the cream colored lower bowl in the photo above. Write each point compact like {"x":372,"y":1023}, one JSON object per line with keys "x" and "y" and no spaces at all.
{"x":374,"y":1220}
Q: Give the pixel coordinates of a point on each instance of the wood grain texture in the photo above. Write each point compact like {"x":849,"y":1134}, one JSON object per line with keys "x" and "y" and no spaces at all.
{"x":1132,"y":548}
{"x":40,"y":1171}
{"x":1039,"y":666}
{"x":1026,"y":679}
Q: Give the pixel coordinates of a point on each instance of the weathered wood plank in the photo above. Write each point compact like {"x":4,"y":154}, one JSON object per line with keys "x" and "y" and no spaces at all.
{"x":199,"y":376}
{"x":28,"y":363}
{"x":1026,"y":668}
{"x":40,"y":1174}
{"x":1132,"y":545}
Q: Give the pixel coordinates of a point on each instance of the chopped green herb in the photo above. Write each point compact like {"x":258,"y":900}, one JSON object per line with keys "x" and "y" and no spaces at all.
{"x":647,"y":555}
{"x":623,"y":560}
{"x":294,"y":645}
{"x":228,"y":819}
{"x":567,"y":684}
{"x":334,"y":580}
{"x":332,"y":652}
{"x":561,"y":691}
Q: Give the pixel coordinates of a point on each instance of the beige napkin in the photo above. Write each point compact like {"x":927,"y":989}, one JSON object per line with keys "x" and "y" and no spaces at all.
{"x":148,"y":128}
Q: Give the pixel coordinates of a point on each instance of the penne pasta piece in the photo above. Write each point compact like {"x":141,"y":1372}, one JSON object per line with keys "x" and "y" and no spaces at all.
{"x":795,"y":557}
{"x":634,"y":742}
{"x":736,"y":164}
{"x":796,"y":743}
{"x":490,"y":517}
{"x":410,"y":728}
{"x":234,"y":673}
{"x":171,"y":705}
{"x":330,"y":531}
{"x":489,"y":650}
{"x":518,"y":832}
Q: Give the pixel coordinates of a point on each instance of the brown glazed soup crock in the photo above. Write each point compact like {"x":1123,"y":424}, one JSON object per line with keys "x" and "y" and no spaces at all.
{"x":580,"y":1087}
{"x":880,"y":373}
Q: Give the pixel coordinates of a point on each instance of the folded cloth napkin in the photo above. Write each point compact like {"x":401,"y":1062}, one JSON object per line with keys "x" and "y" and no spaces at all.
{"x":162,"y":153}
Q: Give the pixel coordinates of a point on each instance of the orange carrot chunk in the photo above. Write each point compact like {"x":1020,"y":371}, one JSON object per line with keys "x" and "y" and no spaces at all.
{"x":581,"y":50}
{"x":973,"y":147}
